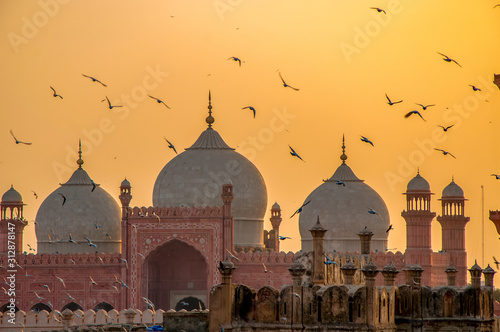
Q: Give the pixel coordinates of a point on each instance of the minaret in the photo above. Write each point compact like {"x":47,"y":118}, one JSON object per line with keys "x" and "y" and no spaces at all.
{"x":275,"y":222}
{"x":228,"y":221}
{"x":125,"y":198}
{"x":12,"y":223}
{"x":418,"y":217}
{"x":318,"y":233}
{"x":453,"y":223}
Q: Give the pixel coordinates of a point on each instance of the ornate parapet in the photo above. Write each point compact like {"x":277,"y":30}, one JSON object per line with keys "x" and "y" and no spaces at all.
{"x":175,"y":212}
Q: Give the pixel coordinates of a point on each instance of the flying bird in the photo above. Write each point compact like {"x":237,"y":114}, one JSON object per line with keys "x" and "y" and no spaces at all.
{"x":18,"y":141}
{"x":63,"y":197}
{"x":170,"y":145}
{"x":424,"y":107}
{"x":35,"y":194}
{"x":364,"y":139}
{"x":414,"y":112}
{"x":94,"y":79}
{"x":446,"y":128}
{"x":46,"y":287}
{"x":55,"y":93}
{"x":474,"y":88}
{"x":497,"y":176}
{"x":109,"y":104}
{"x":123,"y":284}
{"x":286,"y":85}
{"x":232,"y":256}
{"x":299,"y":210}
{"x":340,"y":183}
{"x":38,"y":296}
{"x":108,"y":236}
{"x":71,"y":239}
{"x":62,"y":281}
{"x":297,"y":295}
{"x":125,"y":261}
{"x":90,"y":243}
{"x":92,"y":281}
{"x":265,"y":268}
{"x":445,"y":152}
{"x":390,"y":228}
{"x":250,"y":108}
{"x":284,"y":237}
{"x":329,"y":261}
{"x":142,"y":256}
{"x":392,"y":102}
{"x":293,"y":153}
{"x":371,"y":211}
{"x":378,"y":10}
{"x":93,"y":185}
{"x":97,"y":226}
{"x":235,"y":59}
{"x":448,"y":59}
{"x":495,"y":261}
{"x":159,"y":101}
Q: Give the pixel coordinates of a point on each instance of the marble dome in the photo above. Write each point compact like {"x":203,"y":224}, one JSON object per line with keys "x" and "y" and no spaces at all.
{"x":12,"y":196}
{"x":418,"y":183}
{"x":195,"y":178}
{"x":342,"y":203}
{"x":453,"y":190}
{"x":86,"y":205}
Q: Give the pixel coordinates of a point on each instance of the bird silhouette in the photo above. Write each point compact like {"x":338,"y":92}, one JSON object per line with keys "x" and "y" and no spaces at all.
{"x":286,"y":85}
{"x":284,"y":237}
{"x":446,"y":128}
{"x":125,"y":261}
{"x":496,"y":262}
{"x":235,"y":59}
{"x":94,"y":79}
{"x":340,"y":183}
{"x":35,"y":194}
{"x":445,"y":152}
{"x":170,"y":145}
{"x":448,"y":59}
{"x":392,"y":102}
{"x":108,"y":236}
{"x":371,"y":211}
{"x":390,"y":228}
{"x":97,"y":226}
{"x":424,"y":107}
{"x":90,"y":243}
{"x":293,"y":153}
{"x":497,"y":176}
{"x":265,"y":268}
{"x":123,"y":284}
{"x":55,"y":93}
{"x":250,"y":108}
{"x":38,"y":296}
{"x":364,"y":139}
{"x":159,"y":101}
{"x":62,"y":281}
{"x":148,"y":302}
{"x":297,"y":295}
{"x":63,"y":197}
{"x":18,"y":141}
{"x":109,"y":104}
{"x":142,"y":256}
{"x":378,"y":10}
{"x":474,"y":88}
{"x":93,"y":185}
{"x":414,"y":112}
{"x":299,"y":210}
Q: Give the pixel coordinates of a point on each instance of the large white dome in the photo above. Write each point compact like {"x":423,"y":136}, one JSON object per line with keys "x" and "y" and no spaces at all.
{"x":343,"y":211}
{"x":195,"y":178}
{"x":82,"y":209}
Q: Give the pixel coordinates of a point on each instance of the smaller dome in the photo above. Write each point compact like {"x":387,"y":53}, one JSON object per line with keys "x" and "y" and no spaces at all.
{"x":453,"y":190}
{"x":489,"y":270}
{"x":475,"y":267}
{"x":276,"y":206}
{"x":369,"y":267}
{"x":418,"y":183}
{"x":125,"y":183}
{"x":390,"y":267}
{"x":12,"y":196}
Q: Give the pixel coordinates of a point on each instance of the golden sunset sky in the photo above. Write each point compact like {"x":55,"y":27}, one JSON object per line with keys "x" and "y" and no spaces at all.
{"x":342,"y":55}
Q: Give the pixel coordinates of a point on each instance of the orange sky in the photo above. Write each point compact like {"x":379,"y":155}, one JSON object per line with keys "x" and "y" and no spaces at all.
{"x":342,"y":55}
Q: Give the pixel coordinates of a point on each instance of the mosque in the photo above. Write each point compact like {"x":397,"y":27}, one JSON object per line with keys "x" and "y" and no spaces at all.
{"x":209,"y":204}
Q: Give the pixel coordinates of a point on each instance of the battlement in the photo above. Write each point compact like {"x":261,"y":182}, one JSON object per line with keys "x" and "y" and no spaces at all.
{"x":175,"y":212}
{"x":64,"y":259}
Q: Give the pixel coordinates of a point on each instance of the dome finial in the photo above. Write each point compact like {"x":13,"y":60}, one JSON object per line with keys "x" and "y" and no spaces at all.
{"x":343,"y":157}
{"x":418,"y":170}
{"x":80,"y":160}
{"x":210,"y":119}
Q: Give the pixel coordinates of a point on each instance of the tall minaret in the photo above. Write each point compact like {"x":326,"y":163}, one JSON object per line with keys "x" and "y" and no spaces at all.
{"x":418,"y":217}
{"x":12,"y":222}
{"x":453,"y":221}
